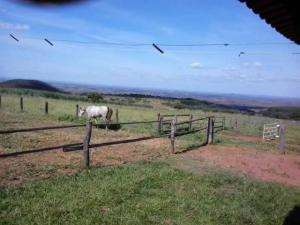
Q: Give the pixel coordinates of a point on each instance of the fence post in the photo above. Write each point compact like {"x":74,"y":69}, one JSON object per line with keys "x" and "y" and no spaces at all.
{"x":223,"y":123}
{"x":21,"y":104}
{"x":77,"y":110}
{"x":86,"y":142}
{"x":0,"y":101}
{"x":212,"y":129}
{"x":208,"y":130}
{"x":236,"y":124}
{"x":172,"y":135}
{"x":46,"y":107}
{"x":190,"y":123}
{"x":117,"y":115}
{"x":282,"y":143}
{"x":158,"y":123}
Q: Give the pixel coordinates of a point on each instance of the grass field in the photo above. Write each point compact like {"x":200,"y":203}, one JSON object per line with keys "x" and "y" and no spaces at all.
{"x":147,"y":193}
{"x":63,"y":111}
{"x":53,"y":189}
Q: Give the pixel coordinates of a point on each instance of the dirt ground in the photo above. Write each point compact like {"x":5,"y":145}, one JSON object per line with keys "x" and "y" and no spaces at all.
{"x":20,"y":169}
{"x":266,"y":166}
{"x":262,"y":165}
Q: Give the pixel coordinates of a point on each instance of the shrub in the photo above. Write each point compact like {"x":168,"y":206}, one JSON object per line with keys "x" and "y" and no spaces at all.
{"x":94,"y":97}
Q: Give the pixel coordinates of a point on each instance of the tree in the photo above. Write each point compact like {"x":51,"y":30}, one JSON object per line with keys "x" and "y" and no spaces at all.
{"x":94,"y":97}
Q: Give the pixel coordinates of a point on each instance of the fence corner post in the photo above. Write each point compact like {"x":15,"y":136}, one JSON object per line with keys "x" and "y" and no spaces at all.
{"x":77,"y":110}
{"x":159,"y":123}
{"x":210,"y":131}
{"x":172,"y":135}
{"x":46,"y":107}
{"x":86,"y":142}
{"x":282,"y":143}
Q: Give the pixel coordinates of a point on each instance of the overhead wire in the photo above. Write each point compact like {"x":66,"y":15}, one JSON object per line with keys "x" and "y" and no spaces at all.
{"x":157,"y":45}
{"x":160,"y":44}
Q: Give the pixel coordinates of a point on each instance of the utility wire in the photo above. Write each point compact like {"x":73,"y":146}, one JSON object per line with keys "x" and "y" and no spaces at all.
{"x":133,"y":44}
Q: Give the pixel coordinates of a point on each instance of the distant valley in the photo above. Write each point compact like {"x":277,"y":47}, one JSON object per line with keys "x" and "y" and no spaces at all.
{"x":284,"y":108}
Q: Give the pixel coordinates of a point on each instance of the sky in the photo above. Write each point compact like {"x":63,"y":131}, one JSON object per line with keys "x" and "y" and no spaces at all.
{"x":81,"y":34}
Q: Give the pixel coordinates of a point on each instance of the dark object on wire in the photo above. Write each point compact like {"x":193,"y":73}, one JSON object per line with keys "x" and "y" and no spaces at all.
{"x":49,"y":42}
{"x":157,"y":48}
{"x":12,"y":36}
{"x":241,"y":53}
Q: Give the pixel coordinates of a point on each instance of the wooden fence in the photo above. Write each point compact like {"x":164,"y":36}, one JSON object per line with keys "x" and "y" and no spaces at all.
{"x":46,"y":108}
{"x":85,"y":145}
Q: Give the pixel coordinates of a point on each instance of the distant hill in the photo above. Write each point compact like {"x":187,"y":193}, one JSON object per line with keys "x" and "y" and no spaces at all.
{"x":28,"y":84}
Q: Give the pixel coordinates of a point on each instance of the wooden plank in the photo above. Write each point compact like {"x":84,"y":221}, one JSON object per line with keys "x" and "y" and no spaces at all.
{"x":10,"y":131}
{"x":4,"y":155}
{"x":86,"y":142}
{"x":172,"y":115}
{"x":193,"y":120}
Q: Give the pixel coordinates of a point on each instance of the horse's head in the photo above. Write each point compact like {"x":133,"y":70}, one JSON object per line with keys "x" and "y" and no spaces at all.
{"x":81,"y":111}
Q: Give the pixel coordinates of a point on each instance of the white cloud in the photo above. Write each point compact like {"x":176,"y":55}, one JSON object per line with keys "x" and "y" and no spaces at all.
{"x":167,"y":30}
{"x":12,"y":26}
{"x":254,"y":64}
{"x":257,"y":64}
{"x":196,"y":65}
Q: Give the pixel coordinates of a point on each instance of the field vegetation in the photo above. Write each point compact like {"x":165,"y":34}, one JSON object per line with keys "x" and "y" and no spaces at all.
{"x":139,"y":183}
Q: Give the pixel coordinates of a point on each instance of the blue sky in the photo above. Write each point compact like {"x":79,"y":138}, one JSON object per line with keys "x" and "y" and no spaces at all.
{"x":262,"y":70}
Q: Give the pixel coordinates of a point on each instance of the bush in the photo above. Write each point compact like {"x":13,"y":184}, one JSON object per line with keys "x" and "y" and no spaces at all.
{"x":94,"y":97}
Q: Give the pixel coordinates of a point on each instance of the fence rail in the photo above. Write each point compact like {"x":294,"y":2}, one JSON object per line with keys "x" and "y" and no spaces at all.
{"x":85,"y":144}
{"x":4,"y":155}
{"x":10,"y":131}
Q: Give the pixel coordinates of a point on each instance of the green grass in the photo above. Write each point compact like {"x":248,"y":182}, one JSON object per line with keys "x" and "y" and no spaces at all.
{"x":62,"y":110}
{"x":142,"y":193}
{"x":146,"y":193}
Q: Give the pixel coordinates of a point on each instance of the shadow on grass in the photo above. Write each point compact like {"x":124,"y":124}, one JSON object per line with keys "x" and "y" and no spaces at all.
{"x":114,"y":126}
{"x":191,"y":148}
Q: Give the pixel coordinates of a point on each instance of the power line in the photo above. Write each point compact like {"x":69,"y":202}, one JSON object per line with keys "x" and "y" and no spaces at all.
{"x":133,"y":44}
{"x":157,"y":46}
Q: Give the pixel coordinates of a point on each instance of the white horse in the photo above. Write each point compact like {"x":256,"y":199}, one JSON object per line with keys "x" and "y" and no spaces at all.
{"x":95,"y":112}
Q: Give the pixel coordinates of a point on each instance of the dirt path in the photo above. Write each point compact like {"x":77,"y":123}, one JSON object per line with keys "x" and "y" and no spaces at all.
{"x":21,"y":169}
{"x":263,"y":165}
{"x":266,"y":166}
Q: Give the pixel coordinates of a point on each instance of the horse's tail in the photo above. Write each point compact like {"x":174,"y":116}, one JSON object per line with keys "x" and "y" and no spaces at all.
{"x":109,"y":114}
